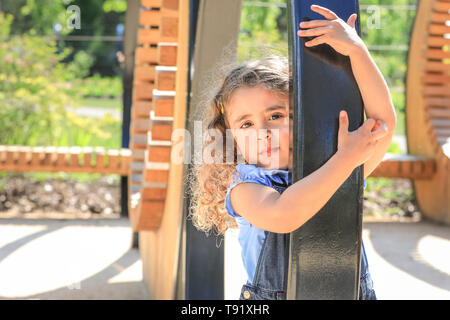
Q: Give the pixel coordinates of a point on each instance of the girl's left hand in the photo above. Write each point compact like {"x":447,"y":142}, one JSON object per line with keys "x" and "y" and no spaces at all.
{"x":340,"y":35}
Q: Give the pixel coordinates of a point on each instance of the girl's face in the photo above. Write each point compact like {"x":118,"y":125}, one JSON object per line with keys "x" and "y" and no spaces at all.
{"x":258,"y":118}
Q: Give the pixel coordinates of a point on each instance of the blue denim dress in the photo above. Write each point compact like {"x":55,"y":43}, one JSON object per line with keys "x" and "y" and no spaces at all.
{"x":265,"y":254}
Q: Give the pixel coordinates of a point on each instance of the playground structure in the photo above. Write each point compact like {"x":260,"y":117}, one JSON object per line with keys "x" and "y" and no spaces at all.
{"x":428,"y":105}
{"x":160,"y":105}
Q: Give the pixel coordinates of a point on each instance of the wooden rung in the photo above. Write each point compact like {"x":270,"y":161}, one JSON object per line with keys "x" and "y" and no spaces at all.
{"x":437,"y":41}
{"x":442,"y":6}
{"x":154,"y":17}
{"x":154,"y":194}
{"x":137,"y":154}
{"x":87,"y":156}
{"x":439,"y":112}
{"x":143,"y":91}
{"x":141,"y":109}
{"x":140,"y":125}
{"x":438,"y":29}
{"x":125,"y":158}
{"x":11,"y":154}
{"x":405,"y":166}
{"x":440,"y":123}
{"x":24,"y":159}
{"x":74,"y":157}
{"x":442,"y":132}
{"x":113,"y":158}
{"x":436,"y":79}
{"x":37,"y":156}
{"x":53,"y":159}
{"x":139,"y":139}
{"x":169,"y":28}
{"x":50,"y":156}
{"x":167,"y":54}
{"x":150,"y":18}
{"x":437,"y":53}
{"x":165,"y":80}
{"x":440,"y":17}
{"x":99,"y":159}
{"x":170,"y":4}
{"x":156,"y":175}
{"x":144,"y":73}
{"x":165,"y":4}
{"x":441,"y":90}
{"x":159,"y":154}
{"x":150,"y":215}
{"x":63,"y":157}
{"x":146,"y":55}
{"x":435,"y":66}
{"x":148,"y":36}
{"x":161,"y":131}
{"x":151,"y":3}
{"x":153,"y":36}
{"x":163,"y":107}
{"x":137,"y":146}
{"x":438,"y":102}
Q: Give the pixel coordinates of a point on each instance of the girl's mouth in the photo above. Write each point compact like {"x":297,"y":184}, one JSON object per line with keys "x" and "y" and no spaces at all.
{"x":269,"y":151}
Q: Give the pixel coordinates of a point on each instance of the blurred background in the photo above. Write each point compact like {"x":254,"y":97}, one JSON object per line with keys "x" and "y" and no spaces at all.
{"x":60,"y":85}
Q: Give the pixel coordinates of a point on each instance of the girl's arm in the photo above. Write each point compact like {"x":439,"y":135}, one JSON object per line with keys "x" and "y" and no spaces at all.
{"x":343,"y":38}
{"x":377,"y":100}
{"x":266,"y":209}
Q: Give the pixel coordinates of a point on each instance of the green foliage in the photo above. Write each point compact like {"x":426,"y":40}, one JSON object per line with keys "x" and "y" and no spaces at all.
{"x":115,"y":5}
{"x":36,"y":15}
{"x":260,"y":31}
{"x":97,"y":18}
{"x":100,"y":87}
{"x":35,"y":88}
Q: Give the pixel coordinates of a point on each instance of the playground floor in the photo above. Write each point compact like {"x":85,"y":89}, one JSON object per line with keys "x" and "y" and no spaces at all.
{"x":93,"y":259}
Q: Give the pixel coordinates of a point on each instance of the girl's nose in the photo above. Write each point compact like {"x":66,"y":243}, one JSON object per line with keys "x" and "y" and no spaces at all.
{"x":264,"y":133}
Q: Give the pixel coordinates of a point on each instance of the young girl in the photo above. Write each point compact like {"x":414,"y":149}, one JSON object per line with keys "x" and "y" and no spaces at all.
{"x":258,"y":195}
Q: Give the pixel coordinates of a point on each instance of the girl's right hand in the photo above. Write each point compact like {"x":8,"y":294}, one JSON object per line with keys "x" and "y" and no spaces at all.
{"x":359,"y":145}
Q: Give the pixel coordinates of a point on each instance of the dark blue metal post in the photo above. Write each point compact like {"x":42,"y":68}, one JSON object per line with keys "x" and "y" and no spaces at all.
{"x":129,"y":47}
{"x":325,"y":253}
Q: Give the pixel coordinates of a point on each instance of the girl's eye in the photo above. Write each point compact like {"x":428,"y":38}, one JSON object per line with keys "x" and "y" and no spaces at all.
{"x":276,"y":115}
{"x":242,"y":127}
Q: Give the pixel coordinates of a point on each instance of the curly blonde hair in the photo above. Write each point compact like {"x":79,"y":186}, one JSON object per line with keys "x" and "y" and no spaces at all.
{"x":208,"y":183}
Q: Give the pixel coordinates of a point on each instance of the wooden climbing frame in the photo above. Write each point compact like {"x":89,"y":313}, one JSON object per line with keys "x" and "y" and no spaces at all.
{"x":152,"y":111}
{"x":64,"y":159}
{"x":428,"y":105}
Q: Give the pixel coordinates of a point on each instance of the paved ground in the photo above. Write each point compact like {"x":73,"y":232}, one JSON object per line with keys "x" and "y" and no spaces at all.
{"x":69,"y":259}
{"x":406,"y":260}
{"x":93,"y":259}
